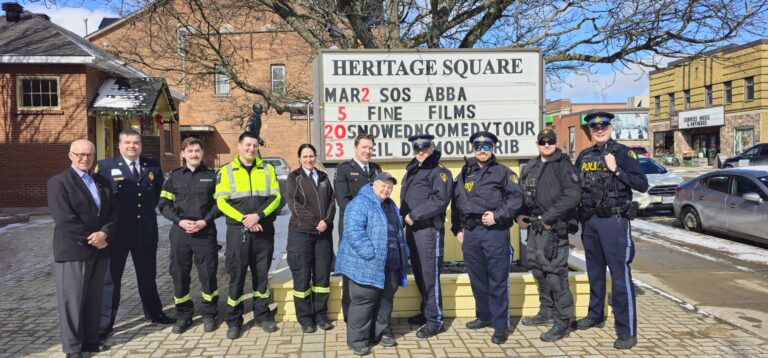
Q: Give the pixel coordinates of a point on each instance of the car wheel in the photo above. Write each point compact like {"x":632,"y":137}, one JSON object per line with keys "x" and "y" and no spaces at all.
{"x":690,"y":219}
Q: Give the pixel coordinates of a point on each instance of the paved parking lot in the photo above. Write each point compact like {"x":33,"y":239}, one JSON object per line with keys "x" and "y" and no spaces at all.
{"x":30,"y":323}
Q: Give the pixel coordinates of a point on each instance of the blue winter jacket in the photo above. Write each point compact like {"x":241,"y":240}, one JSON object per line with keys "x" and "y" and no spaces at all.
{"x":363,"y":250}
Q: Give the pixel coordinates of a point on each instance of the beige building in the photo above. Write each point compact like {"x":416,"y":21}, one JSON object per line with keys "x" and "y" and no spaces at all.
{"x":712,"y":104}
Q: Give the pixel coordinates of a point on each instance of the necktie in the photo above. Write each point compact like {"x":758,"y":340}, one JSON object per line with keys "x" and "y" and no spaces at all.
{"x":365,"y":169}
{"x":134,"y":171}
{"x":314,"y":177}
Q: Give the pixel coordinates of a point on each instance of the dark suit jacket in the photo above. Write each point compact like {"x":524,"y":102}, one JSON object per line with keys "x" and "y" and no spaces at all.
{"x":76,"y":216}
{"x":137,"y":223}
{"x":349,"y":178}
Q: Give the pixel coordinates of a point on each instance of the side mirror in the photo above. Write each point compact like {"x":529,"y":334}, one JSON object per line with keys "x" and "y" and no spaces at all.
{"x":753,"y":197}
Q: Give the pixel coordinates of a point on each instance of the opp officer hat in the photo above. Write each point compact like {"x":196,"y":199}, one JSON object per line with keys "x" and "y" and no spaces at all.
{"x":599,"y":118}
{"x":420,"y":141}
{"x":547,"y":133}
{"x":385,"y":176}
{"x":483,"y":137}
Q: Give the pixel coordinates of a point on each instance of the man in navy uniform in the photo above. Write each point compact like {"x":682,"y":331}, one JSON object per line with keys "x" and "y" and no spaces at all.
{"x":609,"y":171}
{"x":136,"y":182}
{"x":486,"y":201}
{"x":426,"y":192}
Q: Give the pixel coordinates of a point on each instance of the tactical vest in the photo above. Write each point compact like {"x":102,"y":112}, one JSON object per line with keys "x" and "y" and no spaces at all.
{"x":600,"y":188}
{"x":530,"y":183}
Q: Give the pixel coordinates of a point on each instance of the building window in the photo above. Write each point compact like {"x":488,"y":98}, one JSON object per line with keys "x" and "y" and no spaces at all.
{"x":181,"y":32}
{"x":687,"y":99}
{"x":38,"y":92}
{"x":749,"y":88}
{"x":743,"y":138}
{"x":728,"y":92}
{"x":671,"y":103}
{"x":658,"y":104}
{"x":708,"y":96}
{"x":222,"y":81}
{"x":168,"y":138}
{"x":278,"y":79}
{"x":663,"y":143}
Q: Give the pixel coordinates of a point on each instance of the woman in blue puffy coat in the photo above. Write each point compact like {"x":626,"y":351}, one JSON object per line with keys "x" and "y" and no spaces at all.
{"x":373,"y":260}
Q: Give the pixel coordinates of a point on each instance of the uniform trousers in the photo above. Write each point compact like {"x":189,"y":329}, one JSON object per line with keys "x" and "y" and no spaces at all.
{"x":608,"y":243}
{"x":145,"y":264}
{"x":79,"y":287}
{"x":487,"y":256}
{"x":309,"y":258}
{"x":426,"y":246}
{"x":203,"y":252}
{"x":249,"y":249}
{"x":370,"y":310}
{"x":551,"y":275}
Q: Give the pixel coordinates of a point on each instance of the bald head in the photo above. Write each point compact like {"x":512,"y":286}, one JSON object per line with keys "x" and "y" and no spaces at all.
{"x":82,"y":153}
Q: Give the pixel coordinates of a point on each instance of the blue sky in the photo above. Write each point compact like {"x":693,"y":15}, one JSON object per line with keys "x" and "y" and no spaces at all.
{"x":606,"y":85}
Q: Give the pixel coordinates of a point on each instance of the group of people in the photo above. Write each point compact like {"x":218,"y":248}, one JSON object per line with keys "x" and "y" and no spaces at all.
{"x":102,"y":215}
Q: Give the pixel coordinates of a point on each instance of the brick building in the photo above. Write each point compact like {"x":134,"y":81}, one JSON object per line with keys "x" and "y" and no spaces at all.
{"x":714,"y":103}
{"x":56,"y":87}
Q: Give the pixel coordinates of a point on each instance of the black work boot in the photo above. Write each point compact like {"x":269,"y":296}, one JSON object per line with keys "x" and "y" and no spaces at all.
{"x":558,"y":331}
{"x":233,"y":332}
{"x":478,"y":323}
{"x":625,"y":342}
{"x":209,"y":324}
{"x":429,"y":330}
{"x":181,"y":326}
{"x":540,"y":319}
{"x":499,"y":336}
{"x":588,"y":323}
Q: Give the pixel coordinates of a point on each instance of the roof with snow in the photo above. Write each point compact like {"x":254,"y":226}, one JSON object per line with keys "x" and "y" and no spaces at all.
{"x":138,"y":94}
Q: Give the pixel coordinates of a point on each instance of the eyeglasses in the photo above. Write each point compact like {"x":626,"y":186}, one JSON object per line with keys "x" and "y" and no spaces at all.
{"x":485,"y":147}
{"x":82,"y":155}
{"x":546,"y":142}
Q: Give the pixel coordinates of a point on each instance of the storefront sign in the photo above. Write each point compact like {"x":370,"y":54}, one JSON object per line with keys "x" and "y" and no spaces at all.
{"x":674,"y":121}
{"x":707,"y":117}
{"x":447,"y":93}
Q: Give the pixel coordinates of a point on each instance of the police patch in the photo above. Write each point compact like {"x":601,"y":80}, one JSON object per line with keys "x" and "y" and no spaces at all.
{"x":444,"y":177}
{"x":632,"y":154}
{"x":513,"y":178}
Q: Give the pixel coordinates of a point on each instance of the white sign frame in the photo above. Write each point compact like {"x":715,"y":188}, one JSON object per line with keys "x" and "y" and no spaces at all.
{"x":699,"y":118}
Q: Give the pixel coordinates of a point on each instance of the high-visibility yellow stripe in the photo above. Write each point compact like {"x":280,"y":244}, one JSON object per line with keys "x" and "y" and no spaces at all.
{"x":317,"y":289}
{"x":302,"y":294}
{"x":210,"y":297}
{"x":234,"y":302}
{"x":168,"y":195}
{"x":181,"y":300}
{"x":257,"y":294}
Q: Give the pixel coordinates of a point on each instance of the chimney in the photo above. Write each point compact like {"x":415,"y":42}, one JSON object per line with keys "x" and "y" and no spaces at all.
{"x":12,"y":11}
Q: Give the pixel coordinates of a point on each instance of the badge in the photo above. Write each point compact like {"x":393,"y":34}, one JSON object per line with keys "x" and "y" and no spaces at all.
{"x":444,"y":177}
{"x":632,"y":154}
{"x":513,"y":178}
{"x":151,"y":176}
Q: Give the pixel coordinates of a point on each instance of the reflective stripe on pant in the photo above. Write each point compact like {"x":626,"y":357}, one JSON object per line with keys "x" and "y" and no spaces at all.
{"x":254,"y":251}
{"x":487,"y":255}
{"x":203,"y":252}
{"x":608,"y":242}
{"x":370,"y":310}
{"x":426,"y":257}
{"x":309,"y":258}
{"x":551,"y":276}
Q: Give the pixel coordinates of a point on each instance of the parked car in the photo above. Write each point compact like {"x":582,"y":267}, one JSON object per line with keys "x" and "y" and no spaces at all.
{"x":661,"y":186}
{"x":282,"y":169}
{"x":729,"y":201}
{"x":640,"y":150}
{"x":754,"y":155}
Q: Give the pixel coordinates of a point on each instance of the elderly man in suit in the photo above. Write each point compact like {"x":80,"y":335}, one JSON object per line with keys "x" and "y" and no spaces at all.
{"x":136,"y":182}
{"x":85,"y":214}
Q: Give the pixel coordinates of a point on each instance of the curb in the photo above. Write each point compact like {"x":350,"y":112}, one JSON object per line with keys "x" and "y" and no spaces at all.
{"x":13,"y":219}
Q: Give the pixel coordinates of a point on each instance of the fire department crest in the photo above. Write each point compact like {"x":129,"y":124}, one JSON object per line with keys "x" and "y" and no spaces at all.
{"x":151,"y":176}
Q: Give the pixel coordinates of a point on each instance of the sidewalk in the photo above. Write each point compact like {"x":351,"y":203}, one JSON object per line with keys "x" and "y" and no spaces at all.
{"x":30,"y":322}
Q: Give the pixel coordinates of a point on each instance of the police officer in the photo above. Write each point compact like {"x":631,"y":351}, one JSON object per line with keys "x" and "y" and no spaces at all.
{"x":551,"y":194}
{"x":349,"y":178}
{"x":609,"y":171}
{"x":187,"y":201}
{"x":136,"y":182}
{"x":486,"y":201}
{"x":426,"y":192}
{"x":247,"y":192}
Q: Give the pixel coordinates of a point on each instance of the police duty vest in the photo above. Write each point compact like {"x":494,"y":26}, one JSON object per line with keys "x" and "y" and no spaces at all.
{"x":600,"y":187}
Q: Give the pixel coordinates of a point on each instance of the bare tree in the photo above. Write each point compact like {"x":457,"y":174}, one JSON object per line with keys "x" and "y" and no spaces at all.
{"x":573,"y":35}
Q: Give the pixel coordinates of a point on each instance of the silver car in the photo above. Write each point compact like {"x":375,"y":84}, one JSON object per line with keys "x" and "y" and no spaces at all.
{"x":661,"y":186}
{"x":282,"y":169}
{"x":729,"y":201}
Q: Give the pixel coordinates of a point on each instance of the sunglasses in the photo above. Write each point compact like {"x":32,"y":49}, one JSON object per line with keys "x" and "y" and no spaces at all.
{"x":599,"y":125}
{"x":546,"y":142}
{"x":485,"y":147}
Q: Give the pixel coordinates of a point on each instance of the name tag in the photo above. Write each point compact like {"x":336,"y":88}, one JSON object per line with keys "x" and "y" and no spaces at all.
{"x":117,"y":178}
{"x":353,"y":173}
{"x":206,"y":179}
{"x":116,"y":172}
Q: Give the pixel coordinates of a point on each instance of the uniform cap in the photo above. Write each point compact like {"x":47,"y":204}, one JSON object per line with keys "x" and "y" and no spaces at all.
{"x":547,"y":133}
{"x":483,"y":137}
{"x":420,"y":141}
{"x":385,"y":176}
{"x":601,"y":118}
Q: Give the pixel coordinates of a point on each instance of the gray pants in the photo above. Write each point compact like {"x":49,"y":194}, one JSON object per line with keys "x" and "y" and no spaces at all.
{"x":370,"y":309}
{"x":79,"y":286}
{"x":551,"y":275}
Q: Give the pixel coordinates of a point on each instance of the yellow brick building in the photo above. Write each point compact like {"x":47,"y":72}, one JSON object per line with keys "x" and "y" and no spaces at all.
{"x":713,"y":103}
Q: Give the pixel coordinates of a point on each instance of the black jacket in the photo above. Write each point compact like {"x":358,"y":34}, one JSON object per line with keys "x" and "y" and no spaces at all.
{"x":590,"y":164}
{"x":309,"y":203}
{"x":557,"y":188}
{"x":427,"y":189}
{"x":490,"y":188}
{"x":76,"y":217}
{"x":188,"y":195}
{"x":349,"y":179}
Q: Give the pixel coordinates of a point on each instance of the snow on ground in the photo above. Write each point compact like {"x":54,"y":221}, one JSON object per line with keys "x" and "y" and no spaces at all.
{"x":24,"y":226}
